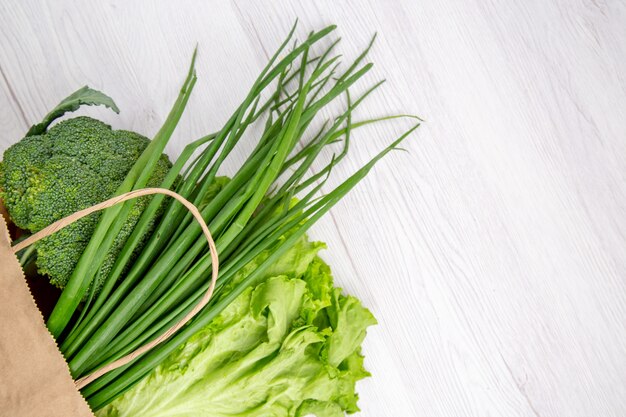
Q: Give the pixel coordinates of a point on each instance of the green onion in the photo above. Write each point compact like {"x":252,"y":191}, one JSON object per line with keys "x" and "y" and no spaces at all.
{"x":255,"y":212}
{"x":113,"y":218}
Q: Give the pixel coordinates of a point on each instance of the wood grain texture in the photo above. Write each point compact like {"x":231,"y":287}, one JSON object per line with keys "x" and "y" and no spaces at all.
{"x":493,"y":253}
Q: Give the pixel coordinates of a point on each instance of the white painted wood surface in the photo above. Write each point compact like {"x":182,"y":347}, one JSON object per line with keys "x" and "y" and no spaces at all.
{"x":493,"y":254}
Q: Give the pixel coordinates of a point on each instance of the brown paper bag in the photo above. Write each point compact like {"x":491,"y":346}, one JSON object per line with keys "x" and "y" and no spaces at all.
{"x":34,"y":378}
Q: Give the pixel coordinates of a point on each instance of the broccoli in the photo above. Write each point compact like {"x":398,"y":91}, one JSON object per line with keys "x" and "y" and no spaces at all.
{"x":77,"y":163}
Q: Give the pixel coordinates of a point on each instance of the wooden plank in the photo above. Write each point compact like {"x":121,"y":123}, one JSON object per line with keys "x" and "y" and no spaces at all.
{"x":492,"y":253}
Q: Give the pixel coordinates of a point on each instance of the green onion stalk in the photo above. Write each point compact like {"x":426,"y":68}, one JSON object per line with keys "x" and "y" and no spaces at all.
{"x":267,"y":205}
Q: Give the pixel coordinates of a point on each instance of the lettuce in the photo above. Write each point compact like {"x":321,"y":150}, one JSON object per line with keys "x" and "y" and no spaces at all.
{"x":290,"y":346}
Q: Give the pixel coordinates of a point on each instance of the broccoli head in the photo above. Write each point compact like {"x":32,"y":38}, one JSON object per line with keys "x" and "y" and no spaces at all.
{"x":75,"y":164}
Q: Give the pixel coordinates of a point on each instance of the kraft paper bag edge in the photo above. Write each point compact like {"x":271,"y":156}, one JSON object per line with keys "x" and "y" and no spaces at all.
{"x":34,"y":378}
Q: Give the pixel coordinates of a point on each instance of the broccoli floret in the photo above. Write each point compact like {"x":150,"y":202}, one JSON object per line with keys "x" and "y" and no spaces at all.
{"x":76,"y":164}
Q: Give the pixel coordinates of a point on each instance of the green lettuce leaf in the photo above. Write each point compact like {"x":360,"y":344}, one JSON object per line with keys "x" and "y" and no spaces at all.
{"x":288,"y":347}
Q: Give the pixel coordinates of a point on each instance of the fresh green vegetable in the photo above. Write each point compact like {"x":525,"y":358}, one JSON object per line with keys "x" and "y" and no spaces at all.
{"x":286,"y":346}
{"x":256,"y":223}
{"x":75,"y":164}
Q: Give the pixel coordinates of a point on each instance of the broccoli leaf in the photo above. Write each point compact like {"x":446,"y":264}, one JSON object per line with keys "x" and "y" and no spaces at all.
{"x":83,"y":96}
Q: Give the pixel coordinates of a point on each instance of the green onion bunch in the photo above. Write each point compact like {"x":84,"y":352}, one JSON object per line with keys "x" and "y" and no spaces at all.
{"x":267,"y":205}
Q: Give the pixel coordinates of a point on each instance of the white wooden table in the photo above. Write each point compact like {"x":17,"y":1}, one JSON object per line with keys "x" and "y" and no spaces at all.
{"x":493,"y":254}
